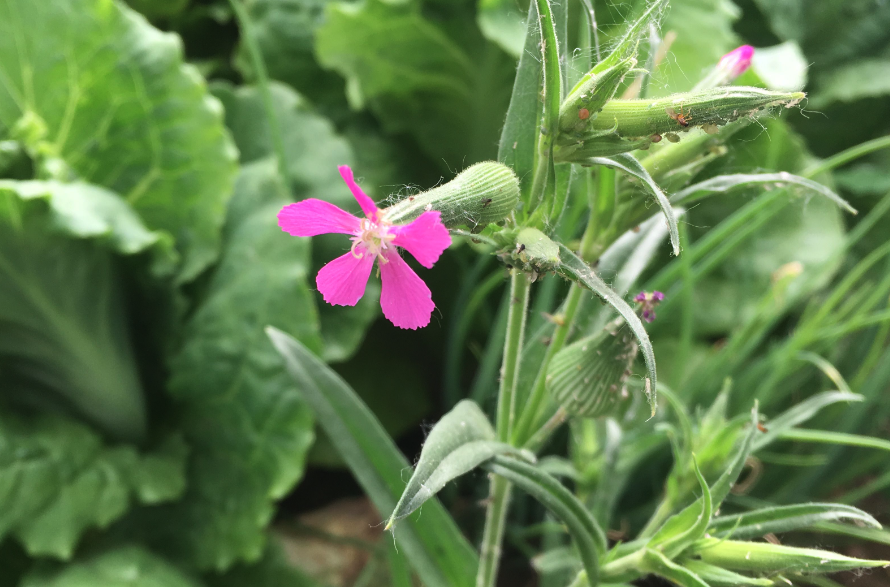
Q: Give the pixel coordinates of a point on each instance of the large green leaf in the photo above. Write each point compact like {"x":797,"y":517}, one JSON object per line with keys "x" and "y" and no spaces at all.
{"x":109,"y":95}
{"x":129,"y":566}
{"x":785,"y":519}
{"x":313,"y":150}
{"x":432,"y":543}
{"x":248,"y":424}
{"x":57,"y":481}
{"x":64,"y":336}
{"x":417,"y":79}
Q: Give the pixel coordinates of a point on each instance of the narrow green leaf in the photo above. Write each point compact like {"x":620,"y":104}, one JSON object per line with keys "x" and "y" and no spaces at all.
{"x":717,"y":577}
{"x":683,"y":529}
{"x":573,"y":267}
{"x":801,"y":413}
{"x":655,"y":562}
{"x":764,"y":557}
{"x":518,"y":137}
{"x":461,"y":441}
{"x":586,"y":533}
{"x":552,"y":78}
{"x":785,"y":519}
{"x":725,"y":183}
{"x":434,"y":545}
{"x":829,"y":437}
{"x":629,"y":164}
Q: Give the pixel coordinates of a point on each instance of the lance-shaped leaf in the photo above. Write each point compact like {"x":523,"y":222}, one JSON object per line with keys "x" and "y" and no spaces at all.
{"x":678,"y":532}
{"x":657,"y":563}
{"x":763,"y":557}
{"x":627,"y":46}
{"x":684,"y":529}
{"x":785,"y":519}
{"x":628,"y":164}
{"x":717,"y":577}
{"x":461,"y":441}
{"x":586,"y":533}
{"x":801,"y":413}
{"x":435,"y":548}
{"x":518,"y":139}
{"x":725,"y":183}
{"x":573,"y":267}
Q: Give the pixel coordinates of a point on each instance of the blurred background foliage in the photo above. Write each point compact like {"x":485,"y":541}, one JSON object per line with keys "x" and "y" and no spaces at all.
{"x":147,"y":425}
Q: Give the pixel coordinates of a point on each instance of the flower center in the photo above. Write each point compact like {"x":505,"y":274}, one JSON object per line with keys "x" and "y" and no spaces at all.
{"x":374,"y":237}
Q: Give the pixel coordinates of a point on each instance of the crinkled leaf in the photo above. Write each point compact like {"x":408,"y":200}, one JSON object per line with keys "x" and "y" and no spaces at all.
{"x":129,"y":566}
{"x":57,"y":481}
{"x":433,"y":544}
{"x":416,"y":78}
{"x":64,"y":336}
{"x":111,"y":97}
{"x":785,"y":519}
{"x":248,"y":424}
{"x":313,"y":151}
{"x":574,"y":268}
{"x":589,"y":538}
{"x":461,"y":441}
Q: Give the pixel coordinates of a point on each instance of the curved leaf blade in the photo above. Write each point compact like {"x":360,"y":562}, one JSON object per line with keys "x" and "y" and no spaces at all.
{"x":629,"y":164}
{"x":725,"y":183}
{"x":573,"y":267}
{"x":436,"y":548}
{"x":588,"y":536}
{"x":785,"y":519}
{"x":461,"y":441}
{"x":801,"y":413}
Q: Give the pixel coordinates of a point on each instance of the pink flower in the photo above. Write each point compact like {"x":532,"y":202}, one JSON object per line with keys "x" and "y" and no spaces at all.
{"x":736,"y":62}
{"x":404,"y":297}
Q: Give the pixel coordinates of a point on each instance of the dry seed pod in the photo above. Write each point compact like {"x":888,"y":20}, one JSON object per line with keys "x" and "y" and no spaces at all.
{"x":587,"y":377}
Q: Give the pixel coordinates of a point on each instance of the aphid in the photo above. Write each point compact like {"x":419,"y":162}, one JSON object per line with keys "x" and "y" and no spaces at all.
{"x":520,"y":248}
{"x":672,"y":137}
{"x":410,"y":198}
{"x":762,"y":428}
{"x":584,"y":114}
{"x":486,"y":202}
{"x":656,"y":138}
{"x":682,"y":118}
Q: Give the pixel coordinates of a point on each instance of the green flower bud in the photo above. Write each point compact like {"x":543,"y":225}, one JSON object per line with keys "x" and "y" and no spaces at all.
{"x":764,"y":557}
{"x":675,"y":113}
{"x":484,"y":193}
{"x":535,"y":252}
{"x":624,"y":125}
{"x":587,"y":377}
{"x":590,"y":95}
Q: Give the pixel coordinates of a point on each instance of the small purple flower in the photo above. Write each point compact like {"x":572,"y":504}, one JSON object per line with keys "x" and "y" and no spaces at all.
{"x":647,"y":302}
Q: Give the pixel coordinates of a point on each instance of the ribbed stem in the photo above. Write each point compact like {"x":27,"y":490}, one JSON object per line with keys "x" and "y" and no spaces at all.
{"x":499,"y":498}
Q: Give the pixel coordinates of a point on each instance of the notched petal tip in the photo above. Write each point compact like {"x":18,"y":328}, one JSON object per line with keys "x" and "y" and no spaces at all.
{"x":426,"y":238}
{"x":404,"y":297}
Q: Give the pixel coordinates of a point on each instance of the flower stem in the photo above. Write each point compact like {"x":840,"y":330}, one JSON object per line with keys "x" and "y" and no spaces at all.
{"x":519,"y":290}
{"x":499,"y":497}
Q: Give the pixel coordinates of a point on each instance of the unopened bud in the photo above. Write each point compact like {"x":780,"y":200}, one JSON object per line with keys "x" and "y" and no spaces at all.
{"x":736,"y":62}
{"x":481,"y":194}
{"x":587,"y":377}
{"x":535,"y":252}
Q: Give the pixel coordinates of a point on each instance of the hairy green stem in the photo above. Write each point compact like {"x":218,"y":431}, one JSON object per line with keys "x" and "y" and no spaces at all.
{"x":530,"y":413}
{"x":499,"y":497}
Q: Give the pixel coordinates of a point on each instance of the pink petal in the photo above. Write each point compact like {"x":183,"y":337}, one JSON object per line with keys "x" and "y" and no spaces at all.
{"x":425,"y":238}
{"x":365,"y":201}
{"x":404,"y":297}
{"x":342,"y":281}
{"x":312,"y":217}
